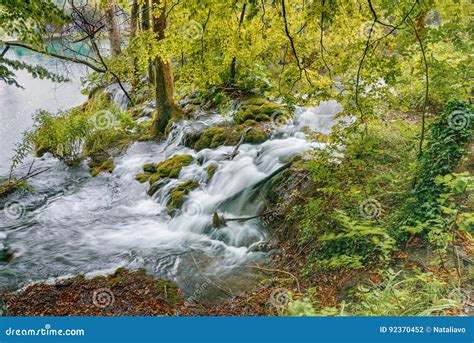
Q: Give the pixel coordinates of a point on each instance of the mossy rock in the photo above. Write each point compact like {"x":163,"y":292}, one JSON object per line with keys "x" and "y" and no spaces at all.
{"x":250,"y":122}
{"x":217,"y":136}
{"x":172,"y":166}
{"x":106,"y":166}
{"x":142,"y":177}
{"x":255,"y":101}
{"x":179,"y":193}
{"x":105,"y":141}
{"x":190,"y":108}
{"x":258,"y":110}
{"x":211,"y":138}
{"x":149,"y":168}
{"x":211,"y":170}
{"x":169,"y":168}
{"x":191,"y":138}
{"x":256,"y":136}
{"x":153,"y":178}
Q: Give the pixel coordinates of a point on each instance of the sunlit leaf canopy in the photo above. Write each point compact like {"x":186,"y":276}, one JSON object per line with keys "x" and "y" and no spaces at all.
{"x":333,"y":42}
{"x":366,"y":54}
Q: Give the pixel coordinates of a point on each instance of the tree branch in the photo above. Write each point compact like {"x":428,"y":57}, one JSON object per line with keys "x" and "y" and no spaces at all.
{"x":53,"y":54}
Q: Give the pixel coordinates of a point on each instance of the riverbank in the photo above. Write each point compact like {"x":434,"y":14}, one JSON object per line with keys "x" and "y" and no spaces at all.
{"x":243,"y":191}
{"x":134,"y":293}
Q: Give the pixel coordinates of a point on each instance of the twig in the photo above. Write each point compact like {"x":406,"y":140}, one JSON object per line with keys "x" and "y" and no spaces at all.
{"x":236,"y":150}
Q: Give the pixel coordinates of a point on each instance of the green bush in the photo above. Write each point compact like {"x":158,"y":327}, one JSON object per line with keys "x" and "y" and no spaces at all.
{"x":369,"y":174}
{"x":93,"y":130}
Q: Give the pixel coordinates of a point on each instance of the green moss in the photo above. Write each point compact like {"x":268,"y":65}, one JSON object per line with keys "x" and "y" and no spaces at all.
{"x":101,"y":100}
{"x":100,"y":143}
{"x":167,"y":291}
{"x":155,"y":186}
{"x":169,"y":168}
{"x":141,"y":271}
{"x":149,"y":168}
{"x":14,"y":185}
{"x":258,"y":110}
{"x":137,"y":111}
{"x":255,"y":136}
{"x":172,"y":166}
{"x":73,"y":280}
{"x":217,"y":136}
{"x":142,"y":177}
{"x":179,"y":193}
{"x":119,"y":271}
{"x":177,"y":116}
{"x":256,"y":101}
{"x":250,"y":122}
{"x":211,"y":170}
{"x":98,"y":278}
{"x":210,"y":138}
{"x":106,"y":166}
{"x":191,"y":139}
{"x":143,"y":130}
{"x":153,"y":178}
{"x":190,"y":108}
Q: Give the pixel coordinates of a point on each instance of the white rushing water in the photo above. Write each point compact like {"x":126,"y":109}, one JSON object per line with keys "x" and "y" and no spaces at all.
{"x":75,"y":224}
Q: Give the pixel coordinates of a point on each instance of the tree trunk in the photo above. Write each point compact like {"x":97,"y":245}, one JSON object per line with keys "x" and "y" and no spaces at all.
{"x":114,"y":32}
{"x":166,"y":107}
{"x":134,"y":19}
{"x":146,"y":25}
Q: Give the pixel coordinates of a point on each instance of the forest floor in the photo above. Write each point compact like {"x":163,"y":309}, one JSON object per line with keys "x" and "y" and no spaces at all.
{"x":134,"y":293}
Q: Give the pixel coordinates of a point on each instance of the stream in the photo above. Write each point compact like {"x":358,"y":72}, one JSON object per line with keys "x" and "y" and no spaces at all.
{"x":76,"y":224}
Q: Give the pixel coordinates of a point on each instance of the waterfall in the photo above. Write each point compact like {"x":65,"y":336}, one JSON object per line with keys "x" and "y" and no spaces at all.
{"x":75,"y":224}
{"x":118,"y":96}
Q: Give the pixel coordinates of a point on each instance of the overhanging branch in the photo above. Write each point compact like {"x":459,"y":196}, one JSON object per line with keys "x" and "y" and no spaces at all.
{"x":62,"y":57}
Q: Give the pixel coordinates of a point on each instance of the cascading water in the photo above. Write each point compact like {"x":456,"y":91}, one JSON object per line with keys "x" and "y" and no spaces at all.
{"x":75,"y":224}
